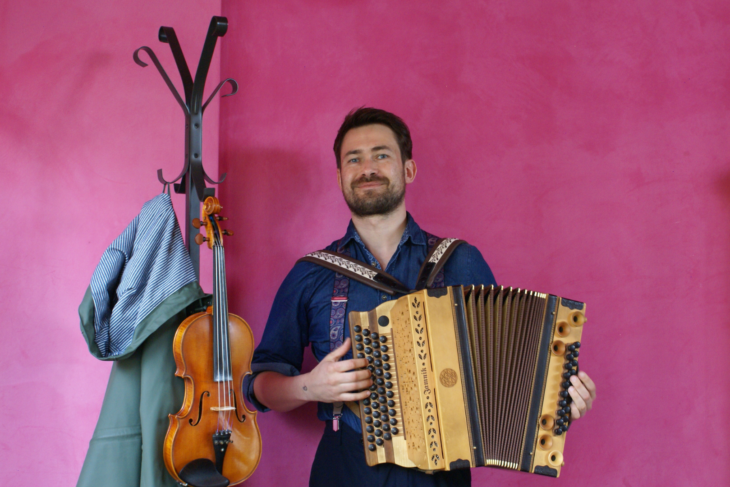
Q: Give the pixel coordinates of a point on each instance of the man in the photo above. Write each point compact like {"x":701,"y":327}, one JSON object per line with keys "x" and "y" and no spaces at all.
{"x":373,"y":150}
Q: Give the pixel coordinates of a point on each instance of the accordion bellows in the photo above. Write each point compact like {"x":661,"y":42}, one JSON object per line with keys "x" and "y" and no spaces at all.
{"x":468,"y":377}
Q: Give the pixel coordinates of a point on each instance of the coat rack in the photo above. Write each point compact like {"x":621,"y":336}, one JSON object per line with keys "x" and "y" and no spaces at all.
{"x":192,"y":177}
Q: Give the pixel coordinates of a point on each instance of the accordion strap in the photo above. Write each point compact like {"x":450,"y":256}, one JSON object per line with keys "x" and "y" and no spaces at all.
{"x":435,"y":260}
{"x":354,"y":269}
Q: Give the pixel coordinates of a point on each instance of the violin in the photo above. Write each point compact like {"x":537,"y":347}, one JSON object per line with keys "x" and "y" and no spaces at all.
{"x":213,"y":441}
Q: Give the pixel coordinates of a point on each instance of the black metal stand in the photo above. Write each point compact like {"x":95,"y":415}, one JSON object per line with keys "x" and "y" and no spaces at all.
{"x":192,"y":177}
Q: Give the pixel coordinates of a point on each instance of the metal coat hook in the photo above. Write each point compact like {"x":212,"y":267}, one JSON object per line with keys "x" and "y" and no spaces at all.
{"x":193,"y":176}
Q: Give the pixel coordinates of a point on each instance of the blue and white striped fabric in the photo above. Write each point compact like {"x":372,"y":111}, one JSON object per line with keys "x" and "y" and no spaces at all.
{"x":145,"y":265}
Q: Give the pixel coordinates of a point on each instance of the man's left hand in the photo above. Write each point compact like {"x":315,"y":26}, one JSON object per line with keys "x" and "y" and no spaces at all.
{"x":583,"y":392}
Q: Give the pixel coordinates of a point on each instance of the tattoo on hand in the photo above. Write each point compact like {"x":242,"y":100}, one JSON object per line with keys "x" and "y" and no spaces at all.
{"x":305,"y":388}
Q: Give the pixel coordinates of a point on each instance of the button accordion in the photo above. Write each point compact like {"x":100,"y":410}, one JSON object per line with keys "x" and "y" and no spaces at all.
{"x":467,"y":377}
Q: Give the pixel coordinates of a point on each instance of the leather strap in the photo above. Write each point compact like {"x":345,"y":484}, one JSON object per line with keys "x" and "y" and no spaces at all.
{"x":354,"y":269}
{"x":435,"y":261}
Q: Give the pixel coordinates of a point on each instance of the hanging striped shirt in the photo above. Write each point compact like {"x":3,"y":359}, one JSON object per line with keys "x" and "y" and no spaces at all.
{"x":146,"y":264}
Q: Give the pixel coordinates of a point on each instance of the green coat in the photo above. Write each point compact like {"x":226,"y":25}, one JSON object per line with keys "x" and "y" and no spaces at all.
{"x":126,"y":448}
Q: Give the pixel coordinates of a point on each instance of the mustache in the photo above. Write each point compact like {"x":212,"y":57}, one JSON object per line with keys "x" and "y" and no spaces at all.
{"x":369,"y":179}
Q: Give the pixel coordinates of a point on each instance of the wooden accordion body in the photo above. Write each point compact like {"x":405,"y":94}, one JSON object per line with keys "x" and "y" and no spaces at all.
{"x":468,"y":377}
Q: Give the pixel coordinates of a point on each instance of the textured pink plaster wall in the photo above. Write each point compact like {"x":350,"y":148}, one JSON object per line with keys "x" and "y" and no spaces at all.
{"x":83,"y":131}
{"x":582,"y":146}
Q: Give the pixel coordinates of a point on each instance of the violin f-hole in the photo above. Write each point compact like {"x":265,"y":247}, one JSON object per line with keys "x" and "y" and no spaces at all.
{"x":200,"y":409}
{"x":235,"y":404}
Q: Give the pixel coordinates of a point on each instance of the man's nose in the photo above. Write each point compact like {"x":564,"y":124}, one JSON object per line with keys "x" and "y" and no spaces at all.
{"x":369,"y":167}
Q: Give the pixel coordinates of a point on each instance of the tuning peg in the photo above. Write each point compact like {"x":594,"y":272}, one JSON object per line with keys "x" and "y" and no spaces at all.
{"x":199,"y":239}
{"x":196,"y":222}
{"x":228,"y":232}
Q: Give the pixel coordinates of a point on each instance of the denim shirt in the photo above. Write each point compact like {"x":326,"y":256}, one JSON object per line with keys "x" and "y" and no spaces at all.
{"x":300,"y":315}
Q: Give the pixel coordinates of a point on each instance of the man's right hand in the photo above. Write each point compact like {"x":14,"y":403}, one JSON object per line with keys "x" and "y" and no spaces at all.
{"x":333,"y":380}
{"x":330,"y":381}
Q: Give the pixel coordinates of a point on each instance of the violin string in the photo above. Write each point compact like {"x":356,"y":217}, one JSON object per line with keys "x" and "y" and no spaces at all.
{"x":225,"y":339}
{"x":216,"y":325}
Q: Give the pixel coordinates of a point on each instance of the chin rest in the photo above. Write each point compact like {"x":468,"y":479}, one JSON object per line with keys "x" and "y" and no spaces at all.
{"x":202,"y":473}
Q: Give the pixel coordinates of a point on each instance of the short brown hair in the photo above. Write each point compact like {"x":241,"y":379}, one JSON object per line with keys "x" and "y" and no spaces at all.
{"x":369,"y":116}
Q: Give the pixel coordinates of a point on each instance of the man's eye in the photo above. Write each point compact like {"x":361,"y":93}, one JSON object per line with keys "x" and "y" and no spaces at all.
{"x":381,"y":156}
{"x":352,"y":160}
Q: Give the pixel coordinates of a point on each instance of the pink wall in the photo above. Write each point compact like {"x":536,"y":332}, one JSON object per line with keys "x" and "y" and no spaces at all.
{"x":582,"y":146}
{"x":83,"y":131}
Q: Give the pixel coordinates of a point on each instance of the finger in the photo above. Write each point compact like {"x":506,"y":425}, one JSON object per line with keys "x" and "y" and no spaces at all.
{"x":578,"y":408}
{"x":353,"y":396}
{"x":338,"y":352}
{"x":355,"y":386}
{"x":355,"y":376}
{"x":580,"y":388}
{"x":351,"y":364}
{"x":590,"y":385}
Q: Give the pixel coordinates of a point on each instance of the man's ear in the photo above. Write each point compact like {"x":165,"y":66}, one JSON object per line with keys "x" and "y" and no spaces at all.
{"x":410,"y":171}
{"x":339,"y":178}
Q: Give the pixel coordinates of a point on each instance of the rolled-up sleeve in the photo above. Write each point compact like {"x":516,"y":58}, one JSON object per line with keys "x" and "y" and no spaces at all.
{"x":286,"y":334}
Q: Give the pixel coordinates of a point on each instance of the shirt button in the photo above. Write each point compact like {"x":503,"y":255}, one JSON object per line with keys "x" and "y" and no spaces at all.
{"x":384,"y":297}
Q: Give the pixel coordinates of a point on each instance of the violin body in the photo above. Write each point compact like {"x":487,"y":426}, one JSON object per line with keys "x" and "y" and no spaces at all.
{"x":190,"y":431}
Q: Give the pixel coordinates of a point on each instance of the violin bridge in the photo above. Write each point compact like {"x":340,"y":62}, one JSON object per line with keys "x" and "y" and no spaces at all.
{"x":223,"y":408}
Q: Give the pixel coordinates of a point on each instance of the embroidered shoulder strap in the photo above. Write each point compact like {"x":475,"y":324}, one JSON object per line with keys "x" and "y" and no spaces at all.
{"x":432,"y":269}
{"x":354,"y":269}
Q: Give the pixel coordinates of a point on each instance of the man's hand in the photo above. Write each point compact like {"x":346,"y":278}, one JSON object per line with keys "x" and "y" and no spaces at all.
{"x":333,"y":381}
{"x":583,"y":392}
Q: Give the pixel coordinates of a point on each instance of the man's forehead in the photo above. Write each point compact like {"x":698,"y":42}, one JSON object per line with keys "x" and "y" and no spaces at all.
{"x":369,"y":137}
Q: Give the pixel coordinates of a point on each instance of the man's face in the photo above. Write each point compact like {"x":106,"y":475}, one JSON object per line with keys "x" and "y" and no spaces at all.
{"x":372,"y":175}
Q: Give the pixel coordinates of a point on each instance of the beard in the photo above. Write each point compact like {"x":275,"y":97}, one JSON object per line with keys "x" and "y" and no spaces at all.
{"x":375,"y":201}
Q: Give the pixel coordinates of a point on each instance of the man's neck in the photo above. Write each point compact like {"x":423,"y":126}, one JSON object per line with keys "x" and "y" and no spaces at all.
{"x":381,"y":234}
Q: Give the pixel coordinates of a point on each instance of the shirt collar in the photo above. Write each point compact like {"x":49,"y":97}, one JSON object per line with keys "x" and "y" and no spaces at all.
{"x":412,"y":232}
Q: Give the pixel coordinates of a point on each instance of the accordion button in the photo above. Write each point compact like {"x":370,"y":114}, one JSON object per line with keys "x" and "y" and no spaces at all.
{"x":563,"y":403}
{"x":379,"y":381}
{"x":381,"y":390}
{"x":391,"y":403}
{"x":379,"y":442}
{"x":374,"y":335}
{"x":382,"y":399}
{"x":378,"y":372}
{"x":563,"y":393}
{"x":370,"y":368}
{"x":386,"y":358}
{"x":378,"y":433}
{"x":569,"y":356}
{"x":567,"y":365}
{"x":389,"y":393}
{"x":371,"y":438}
{"x":370,"y":429}
{"x":358,"y":338}
{"x":386,"y":427}
{"x":560,"y":422}
{"x":394,"y":431}
{"x":575,"y":363}
{"x":367,"y":410}
{"x":366,"y":332}
{"x":558,"y":431}
{"x":384,"y":418}
{"x":367,"y":341}
{"x":366,"y":402}
{"x":383,"y":348}
{"x":378,"y":363}
{"x":383,"y":321}
{"x":376,"y":414}
{"x":577,"y":344}
{"x":565,"y":384}
{"x":371,"y":447}
{"x":370,"y":360}
{"x":566,"y":375}
{"x":566,"y":410}
{"x":383,"y":339}
{"x":373,"y":396}
{"x":376,"y":354}
{"x":575,"y":354}
{"x":357,"y":328}
{"x":383,"y":408}
{"x":393,"y":421}
{"x":386,"y":366}
{"x":387,"y":436}
{"x":373,"y":387}
{"x":387,"y":375}
{"x":360,"y":355}
{"x":391,"y":412}
{"x":376,"y":423}
{"x":388,"y":385}
{"x":368,"y":350}
{"x":359,"y":347}
{"x":368,"y":419}
{"x":573,"y":372}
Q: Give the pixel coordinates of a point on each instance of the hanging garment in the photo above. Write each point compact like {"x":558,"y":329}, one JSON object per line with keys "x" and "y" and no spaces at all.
{"x":142,"y":289}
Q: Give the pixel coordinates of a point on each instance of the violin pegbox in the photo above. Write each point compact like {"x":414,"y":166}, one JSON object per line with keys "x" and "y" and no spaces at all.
{"x":210,"y":218}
